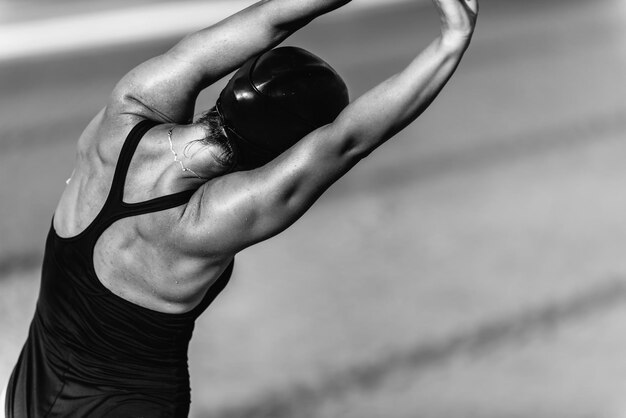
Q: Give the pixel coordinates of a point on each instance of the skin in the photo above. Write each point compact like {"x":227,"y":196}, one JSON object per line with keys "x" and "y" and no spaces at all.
{"x":167,"y":260}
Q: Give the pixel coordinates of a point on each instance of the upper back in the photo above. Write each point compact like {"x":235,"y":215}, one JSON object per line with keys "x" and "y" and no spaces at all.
{"x":97,"y":154}
{"x":137,"y":257}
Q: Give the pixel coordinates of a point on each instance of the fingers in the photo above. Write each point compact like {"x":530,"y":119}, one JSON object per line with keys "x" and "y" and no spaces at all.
{"x":447,"y":6}
{"x":457,"y":15}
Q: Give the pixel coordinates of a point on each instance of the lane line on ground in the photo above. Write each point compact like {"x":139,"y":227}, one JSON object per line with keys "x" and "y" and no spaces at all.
{"x":93,"y":30}
{"x":304,"y":399}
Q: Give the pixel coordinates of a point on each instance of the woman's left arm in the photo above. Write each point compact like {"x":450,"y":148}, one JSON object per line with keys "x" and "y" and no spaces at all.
{"x":166,"y":87}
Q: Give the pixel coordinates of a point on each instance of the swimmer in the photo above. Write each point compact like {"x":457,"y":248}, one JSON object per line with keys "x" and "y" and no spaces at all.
{"x":146,"y":231}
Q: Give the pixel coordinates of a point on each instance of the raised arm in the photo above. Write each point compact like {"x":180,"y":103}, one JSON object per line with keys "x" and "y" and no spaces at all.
{"x":237,"y":210}
{"x":165,"y":88}
{"x":391,"y":106}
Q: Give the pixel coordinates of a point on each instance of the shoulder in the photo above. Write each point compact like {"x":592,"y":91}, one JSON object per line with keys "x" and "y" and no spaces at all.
{"x":104,"y":129}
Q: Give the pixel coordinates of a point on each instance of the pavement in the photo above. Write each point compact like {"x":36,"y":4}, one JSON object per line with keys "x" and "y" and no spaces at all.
{"x":472,"y":267}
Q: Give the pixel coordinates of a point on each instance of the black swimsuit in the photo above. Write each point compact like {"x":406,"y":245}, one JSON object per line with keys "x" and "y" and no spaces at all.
{"x":90,"y":353}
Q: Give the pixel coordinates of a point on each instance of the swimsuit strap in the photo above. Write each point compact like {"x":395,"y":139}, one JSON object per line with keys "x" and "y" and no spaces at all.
{"x":114,"y":207}
{"x":116,"y":194}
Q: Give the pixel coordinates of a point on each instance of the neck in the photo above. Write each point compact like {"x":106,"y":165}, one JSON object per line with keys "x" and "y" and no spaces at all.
{"x":178,"y":159}
{"x":193,"y":157}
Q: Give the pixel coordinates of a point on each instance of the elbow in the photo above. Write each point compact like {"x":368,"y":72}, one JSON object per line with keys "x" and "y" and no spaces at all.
{"x":352,"y":150}
{"x":350,"y":146}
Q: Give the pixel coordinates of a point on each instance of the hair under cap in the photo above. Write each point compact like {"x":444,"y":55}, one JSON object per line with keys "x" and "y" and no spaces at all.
{"x":277,"y":98}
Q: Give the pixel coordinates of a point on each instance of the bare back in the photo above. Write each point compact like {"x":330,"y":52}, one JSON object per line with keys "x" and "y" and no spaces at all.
{"x":139,"y":258}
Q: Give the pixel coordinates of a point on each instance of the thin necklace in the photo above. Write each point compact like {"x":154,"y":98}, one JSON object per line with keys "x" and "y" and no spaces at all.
{"x":182,"y":166}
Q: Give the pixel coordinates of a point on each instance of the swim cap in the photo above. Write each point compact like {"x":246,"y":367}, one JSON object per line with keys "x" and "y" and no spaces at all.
{"x":277,"y":98}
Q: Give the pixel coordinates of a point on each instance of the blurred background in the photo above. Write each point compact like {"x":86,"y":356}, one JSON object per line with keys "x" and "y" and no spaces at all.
{"x":472,"y":267}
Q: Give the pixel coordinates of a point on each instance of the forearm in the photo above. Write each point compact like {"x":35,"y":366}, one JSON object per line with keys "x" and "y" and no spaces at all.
{"x":289,"y":13}
{"x":389,"y":107}
{"x":217,"y":50}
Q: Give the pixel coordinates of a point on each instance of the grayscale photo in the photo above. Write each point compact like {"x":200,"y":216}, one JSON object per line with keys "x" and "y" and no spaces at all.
{"x":312,"y":209}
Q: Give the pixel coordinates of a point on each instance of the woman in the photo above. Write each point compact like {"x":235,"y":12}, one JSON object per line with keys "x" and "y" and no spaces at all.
{"x":145,"y":233}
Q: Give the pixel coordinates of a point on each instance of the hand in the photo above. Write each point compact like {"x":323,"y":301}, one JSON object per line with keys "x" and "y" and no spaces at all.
{"x":458,"y":17}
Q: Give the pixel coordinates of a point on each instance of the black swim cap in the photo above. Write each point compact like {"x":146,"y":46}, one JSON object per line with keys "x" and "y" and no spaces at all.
{"x":277,"y":98}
